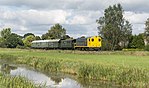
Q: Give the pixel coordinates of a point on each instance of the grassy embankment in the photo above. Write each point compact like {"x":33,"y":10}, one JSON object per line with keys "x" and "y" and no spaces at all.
{"x":123,"y":68}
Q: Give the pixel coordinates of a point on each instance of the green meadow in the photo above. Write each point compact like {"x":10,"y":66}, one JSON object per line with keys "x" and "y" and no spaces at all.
{"x":125,"y":68}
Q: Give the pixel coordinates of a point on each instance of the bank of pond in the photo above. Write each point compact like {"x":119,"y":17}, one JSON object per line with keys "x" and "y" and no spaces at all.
{"x":113,"y":76}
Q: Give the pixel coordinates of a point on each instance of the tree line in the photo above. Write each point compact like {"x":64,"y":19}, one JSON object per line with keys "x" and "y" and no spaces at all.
{"x":115,"y":30}
{"x":12,"y":40}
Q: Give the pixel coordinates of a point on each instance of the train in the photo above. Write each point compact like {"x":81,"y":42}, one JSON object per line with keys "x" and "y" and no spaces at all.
{"x":89,"y":43}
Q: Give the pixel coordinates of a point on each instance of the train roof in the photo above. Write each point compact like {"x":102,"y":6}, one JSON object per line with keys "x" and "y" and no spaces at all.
{"x":54,"y":40}
{"x":68,"y":39}
{"x":88,"y":37}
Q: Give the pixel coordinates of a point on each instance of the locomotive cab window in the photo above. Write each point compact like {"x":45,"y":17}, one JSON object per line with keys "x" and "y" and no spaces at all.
{"x":89,"y":39}
{"x":99,"y":40}
{"x":92,"y":40}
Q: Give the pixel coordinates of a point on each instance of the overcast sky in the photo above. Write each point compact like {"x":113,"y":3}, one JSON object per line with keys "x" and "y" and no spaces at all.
{"x":78,"y":17}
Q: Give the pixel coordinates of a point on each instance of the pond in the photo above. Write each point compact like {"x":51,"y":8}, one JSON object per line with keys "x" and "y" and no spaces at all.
{"x":52,"y":80}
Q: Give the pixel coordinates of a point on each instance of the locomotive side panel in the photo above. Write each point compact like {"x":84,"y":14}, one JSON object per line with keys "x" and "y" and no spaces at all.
{"x":67,"y":44}
{"x":81,"y":42}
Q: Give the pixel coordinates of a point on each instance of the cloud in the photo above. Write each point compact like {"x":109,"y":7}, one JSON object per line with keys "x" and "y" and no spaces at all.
{"x":135,"y":5}
{"x":30,"y":20}
{"x":77,"y":16}
{"x":81,"y":30}
{"x":39,"y":21}
{"x":129,"y":5}
{"x":44,"y":17}
{"x":136,"y":18}
{"x":79,"y":20}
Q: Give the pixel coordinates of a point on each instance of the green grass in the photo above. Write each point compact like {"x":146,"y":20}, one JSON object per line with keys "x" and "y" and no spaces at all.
{"x":122,"y":58}
{"x":15,"y":82}
{"x":129,"y":68}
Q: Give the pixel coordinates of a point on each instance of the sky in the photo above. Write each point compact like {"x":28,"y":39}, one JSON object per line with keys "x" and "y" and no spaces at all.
{"x":78,"y":17}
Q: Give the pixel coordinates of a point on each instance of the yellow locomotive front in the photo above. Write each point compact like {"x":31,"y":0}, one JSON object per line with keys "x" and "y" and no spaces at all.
{"x":90,"y":43}
{"x":94,"y":42}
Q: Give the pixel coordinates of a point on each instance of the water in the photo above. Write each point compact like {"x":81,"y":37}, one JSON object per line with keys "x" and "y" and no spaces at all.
{"x":52,"y":80}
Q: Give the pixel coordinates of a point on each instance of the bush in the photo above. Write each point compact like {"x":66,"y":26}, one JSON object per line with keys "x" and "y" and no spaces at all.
{"x":147,"y":47}
{"x":21,"y":47}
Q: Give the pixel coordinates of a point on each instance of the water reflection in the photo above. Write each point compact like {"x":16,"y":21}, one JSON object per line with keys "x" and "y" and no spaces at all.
{"x":52,"y":80}
{"x":57,"y":79}
{"x":6,"y":68}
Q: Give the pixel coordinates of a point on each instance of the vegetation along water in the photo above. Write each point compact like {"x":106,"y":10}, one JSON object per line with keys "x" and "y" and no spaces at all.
{"x":125,"y":68}
{"x":15,"y":82}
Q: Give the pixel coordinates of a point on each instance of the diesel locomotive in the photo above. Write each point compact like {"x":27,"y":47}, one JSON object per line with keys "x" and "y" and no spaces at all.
{"x":89,"y":43}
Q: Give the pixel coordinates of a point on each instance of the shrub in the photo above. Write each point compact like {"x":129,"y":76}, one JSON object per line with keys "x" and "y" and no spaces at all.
{"x":147,"y":47}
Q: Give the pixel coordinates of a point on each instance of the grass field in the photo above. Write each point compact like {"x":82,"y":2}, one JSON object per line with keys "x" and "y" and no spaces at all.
{"x":122,"y":67}
{"x":122,"y":58}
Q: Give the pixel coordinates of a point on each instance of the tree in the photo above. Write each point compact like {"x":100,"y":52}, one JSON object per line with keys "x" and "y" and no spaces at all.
{"x":27,"y":41}
{"x":113,"y":27}
{"x":67,"y":37}
{"x":13,"y":41}
{"x":45,"y":36}
{"x":146,"y":33}
{"x":37,"y":38}
{"x":5,"y":32}
{"x":2,"y":42}
{"x":137,"y":41}
{"x":56,"y":32}
{"x":27,"y":34}
{"x":10,"y":40}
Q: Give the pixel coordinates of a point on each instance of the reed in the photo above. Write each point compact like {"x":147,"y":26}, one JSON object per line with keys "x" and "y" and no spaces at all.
{"x":134,"y":77}
{"x":120,"y":75}
{"x":115,"y":67}
{"x":15,"y":82}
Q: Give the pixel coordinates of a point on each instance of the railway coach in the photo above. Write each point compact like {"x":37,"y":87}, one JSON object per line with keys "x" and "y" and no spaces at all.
{"x":46,"y":44}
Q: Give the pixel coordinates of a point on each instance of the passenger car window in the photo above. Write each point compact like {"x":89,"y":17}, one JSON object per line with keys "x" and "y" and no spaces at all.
{"x":92,"y":40}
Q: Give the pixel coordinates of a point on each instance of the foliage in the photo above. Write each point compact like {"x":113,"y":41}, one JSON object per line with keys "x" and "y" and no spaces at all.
{"x":5,"y":32}
{"x":27,"y":41}
{"x":13,"y":41}
{"x":67,"y":37}
{"x":137,"y":41}
{"x":28,"y":34}
{"x":113,"y":27}
{"x":56,"y":32}
{"x":10,"y":40}
{"x":45,"y":36}
{"x":105,"y":45}
{"x":147,"y":30}
{"x":37,"y":38}
{"x":2,"y":42}
{"x":147,"y":47}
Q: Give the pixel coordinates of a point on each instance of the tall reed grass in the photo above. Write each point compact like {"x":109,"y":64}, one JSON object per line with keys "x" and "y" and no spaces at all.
{"x":15,"y":82}
{"x":121,"y":75}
